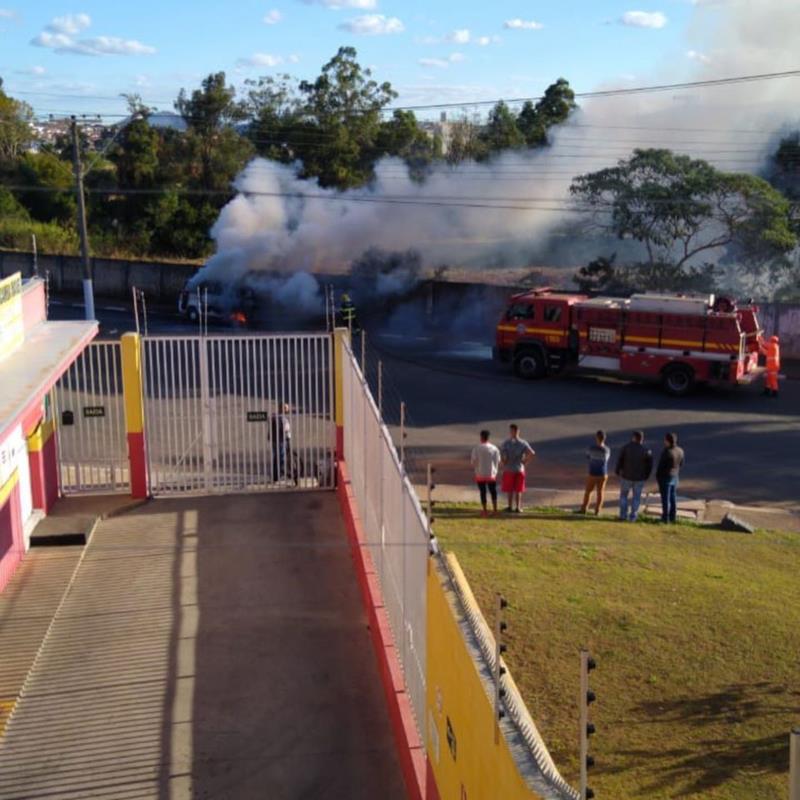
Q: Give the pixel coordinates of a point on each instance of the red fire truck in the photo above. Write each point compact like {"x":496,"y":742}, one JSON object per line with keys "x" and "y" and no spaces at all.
{"x":680,"y":340}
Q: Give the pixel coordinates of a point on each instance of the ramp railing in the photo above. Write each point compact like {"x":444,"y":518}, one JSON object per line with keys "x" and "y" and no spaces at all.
{"x":395,"y":527}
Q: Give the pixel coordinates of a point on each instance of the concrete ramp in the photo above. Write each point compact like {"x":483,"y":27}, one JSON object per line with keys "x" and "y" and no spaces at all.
{"x":208,"y":648}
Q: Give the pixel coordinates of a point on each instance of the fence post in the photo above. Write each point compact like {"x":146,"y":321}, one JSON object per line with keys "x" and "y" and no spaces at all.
{"x":364,"y":354}
{"x":499,"y":671}
{"x":340,"y":336}
{"x":132,"y":392}
{"x":380,"y":389}
{"x":794,"y":764}
{"x":587,"y":728}
{"x":403,"y":436}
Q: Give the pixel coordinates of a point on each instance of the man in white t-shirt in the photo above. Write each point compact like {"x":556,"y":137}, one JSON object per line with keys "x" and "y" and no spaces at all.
{"x":486,"y":461}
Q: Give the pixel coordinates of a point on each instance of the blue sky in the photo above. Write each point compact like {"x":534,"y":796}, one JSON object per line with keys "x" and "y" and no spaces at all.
{"x":67,"y":57}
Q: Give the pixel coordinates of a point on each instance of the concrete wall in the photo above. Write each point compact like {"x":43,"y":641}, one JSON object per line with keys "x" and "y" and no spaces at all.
{"x":468,"y":308}
{"x":783,"y":319}
{"x":113,"y":277}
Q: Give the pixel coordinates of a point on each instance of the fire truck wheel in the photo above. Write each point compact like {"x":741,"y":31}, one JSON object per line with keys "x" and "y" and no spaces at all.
{"x":678,"y":380}
{"x":530,"y":364}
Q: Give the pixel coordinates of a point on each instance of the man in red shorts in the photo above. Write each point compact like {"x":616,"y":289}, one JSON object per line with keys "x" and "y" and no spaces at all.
{"x":515,"y":453}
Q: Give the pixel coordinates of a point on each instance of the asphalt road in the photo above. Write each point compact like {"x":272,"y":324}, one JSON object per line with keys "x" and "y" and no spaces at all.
{"x":740,"y":445}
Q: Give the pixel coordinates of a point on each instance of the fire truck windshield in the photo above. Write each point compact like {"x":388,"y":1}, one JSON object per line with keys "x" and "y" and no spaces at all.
{"x":520,"y":311}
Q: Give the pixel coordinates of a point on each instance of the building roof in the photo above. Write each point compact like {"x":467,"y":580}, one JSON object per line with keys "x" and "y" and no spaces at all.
{"x":27,"y":374}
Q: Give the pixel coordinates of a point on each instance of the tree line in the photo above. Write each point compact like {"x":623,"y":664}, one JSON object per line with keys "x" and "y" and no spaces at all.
{"x":156,"y":191}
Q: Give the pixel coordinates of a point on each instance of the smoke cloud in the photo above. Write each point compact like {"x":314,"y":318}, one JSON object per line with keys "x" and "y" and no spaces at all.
{"x":513,"y":211}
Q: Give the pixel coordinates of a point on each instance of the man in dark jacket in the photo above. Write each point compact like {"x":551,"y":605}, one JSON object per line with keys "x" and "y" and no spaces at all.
{"x":667,"y":474}
{"x":634,"y":465}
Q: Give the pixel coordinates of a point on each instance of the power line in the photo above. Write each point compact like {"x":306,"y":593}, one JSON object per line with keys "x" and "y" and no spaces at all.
{"x":620,"y":92}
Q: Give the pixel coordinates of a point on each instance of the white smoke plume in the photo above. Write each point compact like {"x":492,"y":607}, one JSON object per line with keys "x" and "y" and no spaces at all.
{"x":512,"y":211}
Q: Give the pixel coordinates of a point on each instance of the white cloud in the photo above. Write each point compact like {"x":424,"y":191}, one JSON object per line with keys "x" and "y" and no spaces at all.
{"x":273,"y":17}
{"x":32,"y":71}
{"x":60,"y":36}
{"x":7,"y":13}
{"x":438,"y":63}
{"x":373,"y":25}
{"x":69,"y":24}
{"x":643,"y":19}
{"x":459,"y":36}
{"x":518,"y":24}
{"x":261,"y":60}
{"x":294,"y":58}
{"x":442,"y":63}
{"x":694,"y":55}
{"x":366,"y":5}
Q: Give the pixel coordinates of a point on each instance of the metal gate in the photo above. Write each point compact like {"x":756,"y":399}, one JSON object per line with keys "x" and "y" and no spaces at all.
{"x":90,"y":423}
{"x":238,"y":413}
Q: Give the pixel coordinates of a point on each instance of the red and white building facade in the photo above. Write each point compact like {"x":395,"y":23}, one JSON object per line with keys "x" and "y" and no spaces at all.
{"x":34,"y":353}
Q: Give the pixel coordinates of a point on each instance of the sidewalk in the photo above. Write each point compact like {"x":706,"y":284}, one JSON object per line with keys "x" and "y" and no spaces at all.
{"x":707,"y":512}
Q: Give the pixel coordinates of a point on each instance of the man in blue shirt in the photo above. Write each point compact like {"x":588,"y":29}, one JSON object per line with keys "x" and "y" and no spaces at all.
{"x":598,"y":456}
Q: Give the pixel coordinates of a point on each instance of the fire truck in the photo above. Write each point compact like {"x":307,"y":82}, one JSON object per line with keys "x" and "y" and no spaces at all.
{"x":677,"y":339}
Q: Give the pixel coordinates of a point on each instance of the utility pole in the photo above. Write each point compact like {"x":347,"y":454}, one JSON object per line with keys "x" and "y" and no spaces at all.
{"x":88,"y":291}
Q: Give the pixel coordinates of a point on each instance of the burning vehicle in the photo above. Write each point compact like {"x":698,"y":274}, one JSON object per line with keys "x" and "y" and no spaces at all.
{"x":235,"y":305}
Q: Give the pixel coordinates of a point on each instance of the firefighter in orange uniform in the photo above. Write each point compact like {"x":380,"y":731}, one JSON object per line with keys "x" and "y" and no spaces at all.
{"x":772,"y":350}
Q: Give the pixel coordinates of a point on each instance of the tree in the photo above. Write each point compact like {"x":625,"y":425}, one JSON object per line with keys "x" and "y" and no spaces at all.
{"x":341,"y":118}
{"x":16,"y":133}
{"x":531,"y":126}
{"x":465,"y":142}
{"x":501,"y":132}
{"x":680,"y":208}
{"x":212,"y":142}
{"x":553,"y":108}
{"x":557,"y":103}
{"x":274,"y":109}
{"x":402,"y":136}
{"x":51,"y":195}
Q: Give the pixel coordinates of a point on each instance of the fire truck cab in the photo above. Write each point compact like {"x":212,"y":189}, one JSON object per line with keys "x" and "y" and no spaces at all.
{"x":680,"y":340}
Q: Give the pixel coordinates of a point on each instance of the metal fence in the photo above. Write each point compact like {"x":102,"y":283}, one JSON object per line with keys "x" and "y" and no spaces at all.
{"x":90,"y":422}
{"x":394,"y":524}
{"x":238,"y":413}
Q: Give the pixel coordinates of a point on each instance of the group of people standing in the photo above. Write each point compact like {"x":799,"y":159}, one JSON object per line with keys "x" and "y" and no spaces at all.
{"x":634,"y":465}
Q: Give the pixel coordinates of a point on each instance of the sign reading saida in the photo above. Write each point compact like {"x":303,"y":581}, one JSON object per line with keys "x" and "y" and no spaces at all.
{"x":12,"y":331}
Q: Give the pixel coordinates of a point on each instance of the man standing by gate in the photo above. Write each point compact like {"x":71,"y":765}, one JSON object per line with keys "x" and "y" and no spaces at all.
{"x":281,"y":435}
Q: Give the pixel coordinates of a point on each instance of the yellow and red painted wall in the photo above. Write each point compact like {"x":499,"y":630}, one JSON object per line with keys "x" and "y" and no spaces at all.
{"x":132,"y":388}
{"x":461,"y":759}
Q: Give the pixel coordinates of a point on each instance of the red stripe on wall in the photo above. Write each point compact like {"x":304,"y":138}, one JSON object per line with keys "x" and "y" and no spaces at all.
{"x":138,"y":464}
{"x":413,"y":760}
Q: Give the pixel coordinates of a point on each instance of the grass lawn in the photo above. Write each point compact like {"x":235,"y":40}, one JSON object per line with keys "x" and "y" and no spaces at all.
{"x":696,"y":634}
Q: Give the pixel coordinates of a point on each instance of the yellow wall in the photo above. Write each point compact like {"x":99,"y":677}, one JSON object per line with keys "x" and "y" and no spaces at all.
{"x":481,"y":769}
